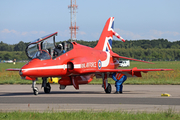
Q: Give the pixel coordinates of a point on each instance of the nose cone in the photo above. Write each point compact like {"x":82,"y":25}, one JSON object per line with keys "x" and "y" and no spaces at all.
{"x":20,"y":72}
{"x":29,"y":68}
{"x":43,"y":68}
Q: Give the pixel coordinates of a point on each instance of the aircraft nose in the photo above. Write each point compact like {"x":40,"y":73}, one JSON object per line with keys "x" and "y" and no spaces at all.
{"x":20,"y":72}
{"x":24,"y":72}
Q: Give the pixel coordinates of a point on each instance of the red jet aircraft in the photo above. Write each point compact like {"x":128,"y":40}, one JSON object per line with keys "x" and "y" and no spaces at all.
{"x":75,"y":64}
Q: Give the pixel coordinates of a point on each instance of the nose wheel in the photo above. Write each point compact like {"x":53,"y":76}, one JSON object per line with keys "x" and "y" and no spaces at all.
{"x":36,"y":91}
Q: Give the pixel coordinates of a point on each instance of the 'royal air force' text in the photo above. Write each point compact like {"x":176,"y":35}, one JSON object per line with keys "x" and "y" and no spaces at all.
{"x":88,"y":65}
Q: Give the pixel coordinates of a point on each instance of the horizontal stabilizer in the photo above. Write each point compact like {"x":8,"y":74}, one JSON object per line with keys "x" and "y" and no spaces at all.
{"x":118,"y":36}
{"x":122,"y":57}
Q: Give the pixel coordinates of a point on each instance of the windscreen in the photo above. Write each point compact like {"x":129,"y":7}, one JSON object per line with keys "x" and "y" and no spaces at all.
{"x":31,"y":50}
{"x":42,"y":55}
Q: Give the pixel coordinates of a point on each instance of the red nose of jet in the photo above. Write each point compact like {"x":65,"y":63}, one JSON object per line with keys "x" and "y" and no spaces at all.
{"x":43,"y":68}
{"x":28,"y":69}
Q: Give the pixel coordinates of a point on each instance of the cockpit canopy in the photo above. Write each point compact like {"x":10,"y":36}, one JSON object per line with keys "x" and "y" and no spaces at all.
{"x":42,"y":55}
{"x":44,"y":48}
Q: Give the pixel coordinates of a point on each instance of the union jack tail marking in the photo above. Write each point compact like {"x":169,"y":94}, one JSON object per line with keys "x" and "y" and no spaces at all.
{"x":105,"y":40}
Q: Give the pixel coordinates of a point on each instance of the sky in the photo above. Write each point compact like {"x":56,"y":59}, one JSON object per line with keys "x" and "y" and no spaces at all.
{"x":28,"y":20}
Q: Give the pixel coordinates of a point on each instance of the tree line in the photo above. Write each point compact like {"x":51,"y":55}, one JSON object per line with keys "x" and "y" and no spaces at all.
{"x":143,"y":44}
{"x":157,"y":49}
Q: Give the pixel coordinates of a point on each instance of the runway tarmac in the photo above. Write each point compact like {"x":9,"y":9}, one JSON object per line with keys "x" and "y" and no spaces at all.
{"x":90,"y":97}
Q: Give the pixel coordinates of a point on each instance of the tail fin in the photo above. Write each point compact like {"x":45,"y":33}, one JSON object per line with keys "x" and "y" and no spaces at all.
{"x":105,"y":40}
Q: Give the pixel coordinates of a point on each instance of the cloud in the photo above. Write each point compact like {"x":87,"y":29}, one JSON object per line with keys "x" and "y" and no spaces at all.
{"x":169,"y":35}
{"x":151,"y":34}
{"x":25,"y":33}
{"x":14,"y":36}
{"x":161,"y":33}
{"x":5,"y":31}
{"x":64,"y":33}
{"x":7,"y":35}
{"x":42,"y":32}
{"x":81,"y":32}
{"x":96,"y":35}
{"x":34,"y":32}
{"x":9,"y":31}
{"x":128,"y":34}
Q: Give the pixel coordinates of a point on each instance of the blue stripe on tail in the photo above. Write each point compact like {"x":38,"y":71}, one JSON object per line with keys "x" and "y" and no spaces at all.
{"x":110,"y":42}
{"x":112,"y":25}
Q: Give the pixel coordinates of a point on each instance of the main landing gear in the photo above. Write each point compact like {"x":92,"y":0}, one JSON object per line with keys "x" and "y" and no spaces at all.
{"x":106,"y":85}
{"x":108,"y":88}
{"x":47,"y":87}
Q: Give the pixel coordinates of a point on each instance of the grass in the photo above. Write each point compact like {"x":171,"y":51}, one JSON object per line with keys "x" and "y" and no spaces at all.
{"x":11,"y":77}
{"x":90,"y":115}
{"x":151,"y":78}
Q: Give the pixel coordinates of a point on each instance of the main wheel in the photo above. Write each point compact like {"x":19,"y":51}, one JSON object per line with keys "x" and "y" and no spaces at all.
{"x":47,"y":88}
{"x":108,"y":89}
{"x":35,"y":90}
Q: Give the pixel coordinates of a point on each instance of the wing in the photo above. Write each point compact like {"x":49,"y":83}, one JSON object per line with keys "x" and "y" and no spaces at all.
{"x":134,"y":72}
{"x":13,"y":69}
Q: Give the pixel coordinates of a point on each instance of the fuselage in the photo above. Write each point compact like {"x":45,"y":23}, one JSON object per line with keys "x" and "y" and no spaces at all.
{"x":73,"y":62}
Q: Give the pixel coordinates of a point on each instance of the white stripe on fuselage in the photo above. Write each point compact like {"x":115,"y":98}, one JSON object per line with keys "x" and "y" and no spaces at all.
{"x":64,"y":66}
{"x":77,"y":66}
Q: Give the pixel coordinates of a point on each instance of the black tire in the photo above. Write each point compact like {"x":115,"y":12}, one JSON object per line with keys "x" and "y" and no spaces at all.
{"x":47,"y":88}
{"x":108,"y":89}
{"x":36,"y":91}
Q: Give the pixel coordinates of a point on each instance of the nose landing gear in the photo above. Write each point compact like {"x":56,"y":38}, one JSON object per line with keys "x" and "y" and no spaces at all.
{"x":35,"y":89}
{"x":47,"y":87}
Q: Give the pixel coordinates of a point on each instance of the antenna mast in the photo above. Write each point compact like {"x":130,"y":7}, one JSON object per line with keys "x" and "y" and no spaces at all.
{"x":73,"y":26}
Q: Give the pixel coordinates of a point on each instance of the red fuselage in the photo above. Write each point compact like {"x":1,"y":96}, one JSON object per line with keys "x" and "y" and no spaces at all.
{"x":74,"y":62}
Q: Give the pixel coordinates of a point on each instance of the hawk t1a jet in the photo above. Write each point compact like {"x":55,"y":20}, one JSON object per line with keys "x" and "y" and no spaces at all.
{"x":73,"y":63}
